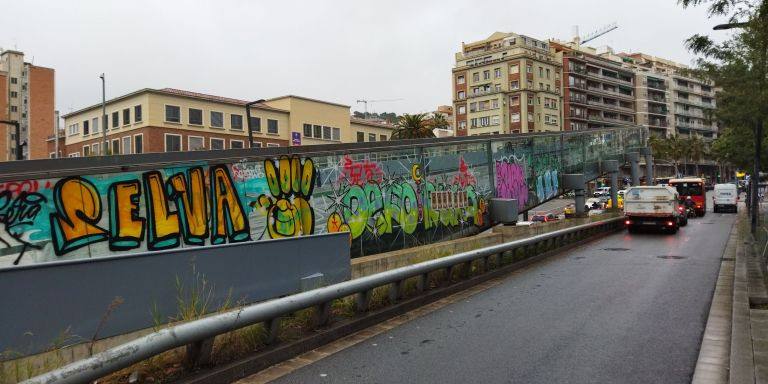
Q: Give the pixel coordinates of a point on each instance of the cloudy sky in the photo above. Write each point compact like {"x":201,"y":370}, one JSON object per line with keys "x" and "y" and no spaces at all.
{"x":334,"y":50}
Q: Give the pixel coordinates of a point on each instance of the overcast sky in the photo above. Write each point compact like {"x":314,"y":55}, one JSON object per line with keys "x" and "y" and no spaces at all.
{"x":334,"y":50}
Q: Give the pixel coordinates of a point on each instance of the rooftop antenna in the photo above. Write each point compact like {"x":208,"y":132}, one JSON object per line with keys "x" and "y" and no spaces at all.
{"x":365,"y":103}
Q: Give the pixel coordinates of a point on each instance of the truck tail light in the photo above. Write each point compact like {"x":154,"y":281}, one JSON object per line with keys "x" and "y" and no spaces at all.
{"x":628,"y":222}
{"x":670,"y":223}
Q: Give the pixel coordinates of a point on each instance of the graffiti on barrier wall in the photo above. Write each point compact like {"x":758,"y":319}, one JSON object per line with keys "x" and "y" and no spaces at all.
{"x":529,"y":179}
{"x":185,"y":206}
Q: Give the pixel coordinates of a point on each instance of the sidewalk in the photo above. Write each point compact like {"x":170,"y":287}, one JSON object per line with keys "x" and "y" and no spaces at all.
{"x":734,"y":348}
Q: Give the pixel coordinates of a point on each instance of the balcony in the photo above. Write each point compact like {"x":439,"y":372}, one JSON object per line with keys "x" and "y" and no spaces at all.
{"x":62,"y":134}
{"x":697,"y":114}
{"x":657,"y":123}
{"x":612,"y":93}
{"x":657,"y":86}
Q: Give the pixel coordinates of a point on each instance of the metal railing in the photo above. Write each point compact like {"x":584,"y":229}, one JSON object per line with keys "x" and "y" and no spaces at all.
{"x":200,"y":332}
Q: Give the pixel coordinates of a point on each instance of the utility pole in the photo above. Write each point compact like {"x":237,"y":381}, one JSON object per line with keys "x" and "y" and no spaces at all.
{"x":104,"y":113}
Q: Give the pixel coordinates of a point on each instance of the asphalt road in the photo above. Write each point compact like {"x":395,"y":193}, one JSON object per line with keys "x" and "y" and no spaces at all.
{"x":623,"y":309}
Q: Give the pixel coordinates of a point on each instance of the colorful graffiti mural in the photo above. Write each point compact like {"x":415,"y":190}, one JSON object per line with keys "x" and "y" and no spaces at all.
{"x":379,"y":202}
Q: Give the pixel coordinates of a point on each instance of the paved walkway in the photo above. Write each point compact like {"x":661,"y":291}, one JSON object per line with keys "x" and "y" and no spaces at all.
{"x":734,"y":348}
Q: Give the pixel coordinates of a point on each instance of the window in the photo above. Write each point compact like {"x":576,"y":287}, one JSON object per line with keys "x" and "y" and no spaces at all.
{"x":126,"y":116}
{"x":485,"y":121}
{"x":116,"y":147}
{"x":460,"y":80}
{"x":256,"y":123}
{"x":497,"y":87}
{"x":530,"y":99}
{"x":172,"y":114}
{"x":530,"y":117}
{"x":172,"y":143}
{"x":541,"y":85}
{"x":371,"y":137}
{"x":138,"y":143}
{"x":530,"y":84}
{"x":336,"y":134}
{"x":217,"y":144}
{"x":14,"y":94}
{"x":462,"y":124}
{"x":195,"y":143}
{"x":74,"y":129}
{"x":514,"y":84}
{"x":14,"y":108}
{"x":86,"y":151}
{"x":318,"y":131}
{"x":14,"y":80}
{"x":86,"y":129}
{"x":236,"y":144}
{"x":497,"y":72}
{"x":127,"y":145}
{"x":462,"y":109}
{"x":541,"y":72}
{"x":515,"y":117}
{"x":272,"y":126}
{"x":360,"y":137}
{"x":195,"y":116}
{"x":382,"y":137}
{"x":95,"y":149}
{"x":547,"y":73}
{"x":115,"y":119}
{"x":486,"y":74}
{"x":514,"y":100}
{"x":514,"y":68}
{"x":272,"y":145}
{"x":76,"y":154}
{"x":495,"y":103}
{"x":495,"y":120}
{"x":326,"y":133}
{"x":476,"y":76}
{"x":236,"y":122}
{"x":307,"y":130}
{"x":529,"y":68}
{"x":137,"y":113}
{"x":472,"y":107}
{"x":95,"y":125}
{"x":257,"y":144}
{"x":461,"y":95}
{"x":217,"y":119}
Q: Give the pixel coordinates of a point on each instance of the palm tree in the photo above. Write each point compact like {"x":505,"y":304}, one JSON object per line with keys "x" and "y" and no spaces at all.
{"x":438,"y":121}
{"x":677,"y":150}
{"x":659,"y":148}
{"x":412,"y":127}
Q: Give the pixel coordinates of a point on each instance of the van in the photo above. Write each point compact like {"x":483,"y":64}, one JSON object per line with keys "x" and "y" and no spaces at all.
{"x":602,"y":191}
{"x":725,"y":197}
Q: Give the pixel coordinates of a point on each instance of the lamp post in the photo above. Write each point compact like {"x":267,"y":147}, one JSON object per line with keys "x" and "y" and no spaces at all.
{"x":755,"y":179}
{"x":103,"y":114}
{"x":17,"y":132}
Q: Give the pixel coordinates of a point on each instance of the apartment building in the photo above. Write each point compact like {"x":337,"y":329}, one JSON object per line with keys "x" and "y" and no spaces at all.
{"x":597,"y":91}
{"x":172,"y":120}
{"x":26,"y":96}
{"x":671,"y":101}
{"x":507,"y":83}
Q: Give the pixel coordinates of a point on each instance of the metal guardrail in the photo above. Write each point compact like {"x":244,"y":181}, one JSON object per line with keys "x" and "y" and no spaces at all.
{"x":197,"y":332}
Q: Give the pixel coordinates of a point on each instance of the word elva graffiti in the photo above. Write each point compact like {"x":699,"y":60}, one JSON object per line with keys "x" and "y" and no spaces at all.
{"x":211,"y":211}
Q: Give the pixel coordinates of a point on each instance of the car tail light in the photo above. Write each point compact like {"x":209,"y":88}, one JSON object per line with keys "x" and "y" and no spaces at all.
{"x":698,"y":205}
{"x":628,"y":222}
{"x":670,"y":223}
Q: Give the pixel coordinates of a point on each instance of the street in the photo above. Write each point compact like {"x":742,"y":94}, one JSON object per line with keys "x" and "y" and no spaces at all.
{"x":626,"y":308}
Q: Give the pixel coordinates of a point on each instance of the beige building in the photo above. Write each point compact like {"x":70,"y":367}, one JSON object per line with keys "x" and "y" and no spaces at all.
{"x":171,"y":120}
{"x":671,"y":101}
{"x":28,"y":98}
{"x":507,"y":83}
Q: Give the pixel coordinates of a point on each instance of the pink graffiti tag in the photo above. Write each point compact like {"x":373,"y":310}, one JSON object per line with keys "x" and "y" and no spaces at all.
{"x":510,"y":182}
{"x":360,"y":172}
{"x":463,"y":177}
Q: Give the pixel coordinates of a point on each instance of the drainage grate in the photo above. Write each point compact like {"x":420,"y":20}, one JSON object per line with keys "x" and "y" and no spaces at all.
{"x":672,"y":257}
{"x":616,"y":249}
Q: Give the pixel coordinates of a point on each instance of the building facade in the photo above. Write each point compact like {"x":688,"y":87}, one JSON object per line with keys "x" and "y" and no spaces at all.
{"x":171,"y":120}
{"x":28,"y":98}
{"x":597,"y":91}
{"x":507,"y":83}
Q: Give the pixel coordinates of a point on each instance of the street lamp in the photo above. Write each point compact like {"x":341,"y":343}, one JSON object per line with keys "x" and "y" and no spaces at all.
{"x":103,"y":114}
{"x":755,"y":179}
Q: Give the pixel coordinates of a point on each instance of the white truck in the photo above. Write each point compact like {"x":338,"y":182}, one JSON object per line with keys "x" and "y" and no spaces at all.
{"x":652,"y":207}
{"x":725,"y":197}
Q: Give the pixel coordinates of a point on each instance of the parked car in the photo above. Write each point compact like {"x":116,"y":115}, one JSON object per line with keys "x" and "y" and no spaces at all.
{"x":593,"y":203}
{"x":544,"y":217}
{"x":602,"y":191}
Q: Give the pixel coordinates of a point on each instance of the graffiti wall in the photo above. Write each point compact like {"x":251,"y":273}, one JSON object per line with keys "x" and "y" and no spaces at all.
{"x":385,"y":202}
{"x":388,"y":199}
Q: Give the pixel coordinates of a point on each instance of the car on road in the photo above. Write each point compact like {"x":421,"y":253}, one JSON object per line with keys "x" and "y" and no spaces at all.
{"x":570,"y":210}
{"x":593,"y":203}
{"x":544,"y":217}
{"x":602,"y":191}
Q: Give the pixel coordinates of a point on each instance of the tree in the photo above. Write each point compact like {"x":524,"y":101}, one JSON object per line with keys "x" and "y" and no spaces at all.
{"x":676,"y":150}
{"x":438,"y":121}
{"x":697,"y":149}
{"x":412,"y":127}
{"x":659,"y":148}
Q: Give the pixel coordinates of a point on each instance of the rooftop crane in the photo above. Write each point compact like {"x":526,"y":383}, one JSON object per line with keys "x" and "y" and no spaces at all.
{"x":596,"y":34}
{"x":365,"y":103}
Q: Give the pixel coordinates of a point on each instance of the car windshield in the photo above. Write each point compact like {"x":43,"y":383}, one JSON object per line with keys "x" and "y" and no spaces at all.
{"x":686,"y":189}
